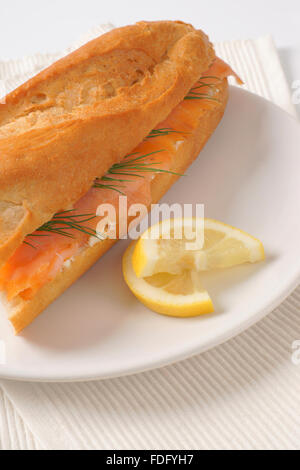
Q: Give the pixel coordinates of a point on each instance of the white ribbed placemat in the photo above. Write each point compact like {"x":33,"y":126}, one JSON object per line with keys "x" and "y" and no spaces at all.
{"x":244,"y":394}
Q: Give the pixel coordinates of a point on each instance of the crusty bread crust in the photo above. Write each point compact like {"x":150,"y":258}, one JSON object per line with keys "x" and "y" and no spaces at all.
{"x":70,"y":123}
{"x":22,"y":313}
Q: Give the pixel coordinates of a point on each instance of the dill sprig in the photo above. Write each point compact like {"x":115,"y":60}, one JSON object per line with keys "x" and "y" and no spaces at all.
{"x":63,"y":222}
{"x":131,"y":166}
{"x":210,"y":77}
{"x":194,"y":94}
{"x":162,"y":132}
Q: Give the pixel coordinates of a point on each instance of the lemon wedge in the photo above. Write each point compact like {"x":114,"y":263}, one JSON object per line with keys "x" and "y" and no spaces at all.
{"x":174,"y":295}
{"x":163,"y":268}
{"x":193,"y":244}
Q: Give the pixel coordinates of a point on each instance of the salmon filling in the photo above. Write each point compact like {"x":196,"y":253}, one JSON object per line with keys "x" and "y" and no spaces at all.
{"x":42,"y":255}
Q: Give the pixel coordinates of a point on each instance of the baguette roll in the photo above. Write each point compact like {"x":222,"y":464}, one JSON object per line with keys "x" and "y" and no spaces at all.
{"x":22,"y":312}
{"x":73,"y":121}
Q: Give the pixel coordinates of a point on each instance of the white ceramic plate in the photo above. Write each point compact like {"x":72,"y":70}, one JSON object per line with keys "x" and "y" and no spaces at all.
{"x":247,"y":176}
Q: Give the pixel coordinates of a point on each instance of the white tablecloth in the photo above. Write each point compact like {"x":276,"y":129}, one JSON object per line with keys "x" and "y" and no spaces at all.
{"x":244,"y":394}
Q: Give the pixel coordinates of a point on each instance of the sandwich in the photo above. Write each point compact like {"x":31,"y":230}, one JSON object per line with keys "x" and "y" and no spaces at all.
{"x":124,"y":115}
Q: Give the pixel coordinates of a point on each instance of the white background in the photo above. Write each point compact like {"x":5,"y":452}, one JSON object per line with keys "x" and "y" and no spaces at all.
{"x":47,"y":25}
{"x":29,"y":26}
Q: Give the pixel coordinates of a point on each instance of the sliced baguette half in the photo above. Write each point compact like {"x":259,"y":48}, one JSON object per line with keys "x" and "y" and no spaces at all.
{"x":72,"y":122}
{"x":22,"y":312}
